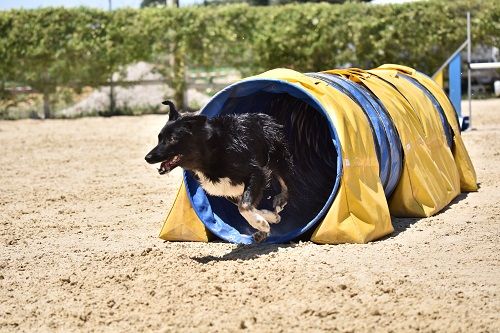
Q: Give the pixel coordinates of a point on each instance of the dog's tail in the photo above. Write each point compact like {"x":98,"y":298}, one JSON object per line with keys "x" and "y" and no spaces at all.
{"x":173,"y":114}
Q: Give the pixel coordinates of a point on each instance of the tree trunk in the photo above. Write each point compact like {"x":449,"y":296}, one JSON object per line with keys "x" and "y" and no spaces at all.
{"x":112,"y":100}
{"x":46,"y":105}
{"x":179,"y":79}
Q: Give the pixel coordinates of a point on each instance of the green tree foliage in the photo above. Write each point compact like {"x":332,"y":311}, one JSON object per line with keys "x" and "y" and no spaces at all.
{"x":47,"y":48}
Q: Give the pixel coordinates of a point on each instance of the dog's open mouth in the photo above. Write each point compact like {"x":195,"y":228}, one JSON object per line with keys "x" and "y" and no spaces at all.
{"x":168,"y":165}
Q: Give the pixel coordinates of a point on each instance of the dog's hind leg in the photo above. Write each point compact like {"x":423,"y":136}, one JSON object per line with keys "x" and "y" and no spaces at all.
{"x":251,"y":197}
{"x":257,"y":221}
{"x":280,"y":200}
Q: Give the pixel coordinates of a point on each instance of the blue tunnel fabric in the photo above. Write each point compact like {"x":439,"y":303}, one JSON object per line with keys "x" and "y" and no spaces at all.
{"x":314,"y":146}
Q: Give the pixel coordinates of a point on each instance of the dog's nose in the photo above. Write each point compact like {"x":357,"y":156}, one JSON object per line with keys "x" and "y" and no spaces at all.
{"x":148,"y":158}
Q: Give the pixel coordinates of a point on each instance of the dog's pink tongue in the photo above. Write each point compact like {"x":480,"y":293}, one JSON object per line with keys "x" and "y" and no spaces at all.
{"x":168,"y":165}
{"x":164,"y":168}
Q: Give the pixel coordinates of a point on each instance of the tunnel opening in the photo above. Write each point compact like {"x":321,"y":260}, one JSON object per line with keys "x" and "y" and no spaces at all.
{"x":316,"y":154}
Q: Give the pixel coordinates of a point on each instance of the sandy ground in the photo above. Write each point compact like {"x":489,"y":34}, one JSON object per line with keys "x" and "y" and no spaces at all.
{"x":80,"y":212}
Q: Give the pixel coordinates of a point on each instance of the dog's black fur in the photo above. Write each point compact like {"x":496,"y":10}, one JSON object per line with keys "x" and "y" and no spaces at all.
{"x":245,"y":151}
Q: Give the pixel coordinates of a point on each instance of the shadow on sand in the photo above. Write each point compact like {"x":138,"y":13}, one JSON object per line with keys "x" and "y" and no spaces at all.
{"x":244,"y":252}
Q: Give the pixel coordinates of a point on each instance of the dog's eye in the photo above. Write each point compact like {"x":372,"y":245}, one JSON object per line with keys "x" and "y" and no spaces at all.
{"x":168,"y":140}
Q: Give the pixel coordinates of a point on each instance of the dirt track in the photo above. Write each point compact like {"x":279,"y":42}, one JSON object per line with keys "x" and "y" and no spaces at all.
{"x":80,"y":212}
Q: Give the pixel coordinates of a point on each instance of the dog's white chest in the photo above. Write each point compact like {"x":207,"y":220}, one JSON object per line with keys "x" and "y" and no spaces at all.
{"x":222,"y":188}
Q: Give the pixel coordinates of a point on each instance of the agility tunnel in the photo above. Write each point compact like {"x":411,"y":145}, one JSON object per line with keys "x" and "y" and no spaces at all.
{"x":366,"y":144}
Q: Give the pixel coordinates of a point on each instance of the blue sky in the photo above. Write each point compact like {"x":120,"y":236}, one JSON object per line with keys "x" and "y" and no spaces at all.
{"x":8,"y":4}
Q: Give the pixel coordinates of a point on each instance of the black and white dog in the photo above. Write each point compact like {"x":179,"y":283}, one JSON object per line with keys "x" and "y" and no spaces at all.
{"x":233,"y":156}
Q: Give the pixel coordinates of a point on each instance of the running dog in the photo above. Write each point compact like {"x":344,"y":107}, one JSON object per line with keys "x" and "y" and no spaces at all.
{"x":232,"y":156}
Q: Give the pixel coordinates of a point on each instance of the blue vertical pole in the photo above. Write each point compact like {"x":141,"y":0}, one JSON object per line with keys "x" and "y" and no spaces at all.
{"x":454,"y":76}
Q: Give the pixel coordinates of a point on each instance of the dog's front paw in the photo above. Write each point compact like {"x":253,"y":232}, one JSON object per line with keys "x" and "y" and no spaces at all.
{"x":270,"y":216}
{"x":260,"y":236}
{"x":277,"y":219}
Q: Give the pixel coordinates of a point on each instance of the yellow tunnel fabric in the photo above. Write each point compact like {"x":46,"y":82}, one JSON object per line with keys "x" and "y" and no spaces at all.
{"x":439,"y":79}
{"x":427,"y":183}
{"x":182,"y":223}
{"x":468,"y":177}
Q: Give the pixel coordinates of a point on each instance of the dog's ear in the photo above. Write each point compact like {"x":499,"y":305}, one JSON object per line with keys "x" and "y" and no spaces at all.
{"x":173,"y":114}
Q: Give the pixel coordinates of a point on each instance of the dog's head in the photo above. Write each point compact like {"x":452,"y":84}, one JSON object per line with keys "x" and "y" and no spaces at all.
{"x":180,"y":141}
